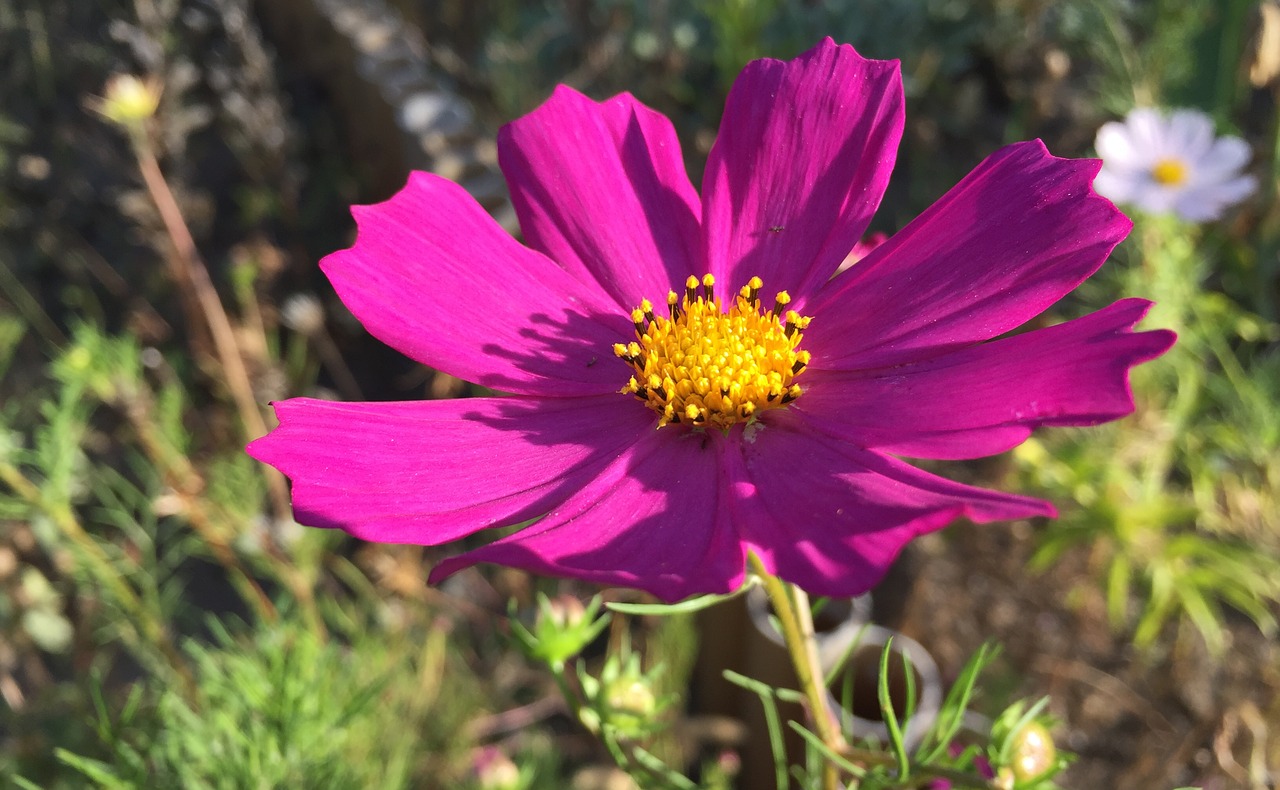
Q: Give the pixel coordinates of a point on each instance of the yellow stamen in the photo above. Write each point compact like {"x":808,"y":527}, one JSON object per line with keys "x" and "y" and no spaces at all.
{"x":707,"y":366}
{"x":1169,"y":172}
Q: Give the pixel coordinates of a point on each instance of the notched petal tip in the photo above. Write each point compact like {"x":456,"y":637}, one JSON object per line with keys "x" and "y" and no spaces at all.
{"x":434,"y":276}
{"x":1018,"y":233}
{"x":1074,"y":172}
{"x":800,"y":164}
{"x":266,"y":448}
{"x":996,"y":394}
{"x":601,"y":189}
{"x":828,"y":44}
{"x":429,"y":472}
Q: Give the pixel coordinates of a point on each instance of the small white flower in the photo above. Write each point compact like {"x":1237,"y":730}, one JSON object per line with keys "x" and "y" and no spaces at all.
{"x":1172,"y":164}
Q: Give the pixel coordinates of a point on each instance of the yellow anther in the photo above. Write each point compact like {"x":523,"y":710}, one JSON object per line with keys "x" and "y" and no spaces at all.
{"x":710,"y":364}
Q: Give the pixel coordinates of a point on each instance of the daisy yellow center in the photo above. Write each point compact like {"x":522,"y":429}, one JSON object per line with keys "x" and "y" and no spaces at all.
{"x":704,"y":365}
{"x":1169,"y":172}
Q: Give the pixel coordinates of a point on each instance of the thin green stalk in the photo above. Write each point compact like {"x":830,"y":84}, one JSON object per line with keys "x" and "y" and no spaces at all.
{"x":570,"y":697}
{"x":791,"y":605}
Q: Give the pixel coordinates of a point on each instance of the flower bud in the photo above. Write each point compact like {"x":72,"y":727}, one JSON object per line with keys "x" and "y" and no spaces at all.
{"x":630,"y":696}
{"x":128,"y":100}
{"x":562,"y":629}
{"x":564,"y":612}
{"x":623,"y":698}
{"x":629,"y":706}
{"x":1033,"y":751}
{"x":728,"y":763}
{"x":494,"y":770}
{"x":1023,"y":748}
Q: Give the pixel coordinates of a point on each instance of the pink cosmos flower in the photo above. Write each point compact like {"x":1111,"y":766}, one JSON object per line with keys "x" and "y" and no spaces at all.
{"x":763,"y":407}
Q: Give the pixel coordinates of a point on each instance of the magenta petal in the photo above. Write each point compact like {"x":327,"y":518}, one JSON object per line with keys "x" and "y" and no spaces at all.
{"x":601,"y":188}
{"x":428,"y":472}
{"x":987,"y":398}
{"x":832,"y":518}
{"x":657,"y":520}
{"x":1012,"y":238}
{"x":433,"y":275}
{"x":804,"y":153}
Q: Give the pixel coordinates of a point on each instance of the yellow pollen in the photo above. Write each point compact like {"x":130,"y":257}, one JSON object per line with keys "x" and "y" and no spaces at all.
{"x":708,"y":366}
{"x":1169,"y":172}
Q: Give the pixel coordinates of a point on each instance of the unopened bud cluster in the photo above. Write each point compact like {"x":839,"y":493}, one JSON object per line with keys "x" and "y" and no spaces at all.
{"x":562,"y":628}
{"x":623,"y":698}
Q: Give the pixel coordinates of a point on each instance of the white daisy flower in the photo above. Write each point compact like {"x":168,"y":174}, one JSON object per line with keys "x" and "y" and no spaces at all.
{"x":1172,"y":163}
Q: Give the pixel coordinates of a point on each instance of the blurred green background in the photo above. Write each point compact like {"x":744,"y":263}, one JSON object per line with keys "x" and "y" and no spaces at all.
{"x":164,"y":624}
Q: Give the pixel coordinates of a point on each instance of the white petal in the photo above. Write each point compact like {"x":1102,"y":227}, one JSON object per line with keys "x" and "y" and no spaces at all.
{"x":1224,"y":159}
{"x":1237,"y":189}
{"x":1197,"y":205}
{"x":1147,"y":131}
{"x":1155,"y":198}
{"x":1117,"y":186}
{"x":1189,"y":133}
{"x":1115,"y":146}
{"x":1209,"y":202}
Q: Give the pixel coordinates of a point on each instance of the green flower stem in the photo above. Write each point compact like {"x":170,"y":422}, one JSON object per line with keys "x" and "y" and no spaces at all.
{"x":566,"y":691}
{"x":791,"y":605}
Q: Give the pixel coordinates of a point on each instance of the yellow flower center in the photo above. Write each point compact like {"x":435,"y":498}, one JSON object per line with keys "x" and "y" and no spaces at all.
{"x":1169,"y":172}
{"x":705,"y":365}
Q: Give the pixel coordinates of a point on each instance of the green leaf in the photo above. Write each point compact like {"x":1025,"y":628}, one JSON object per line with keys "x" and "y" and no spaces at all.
{"x":682,"y":607}
{"x":816,"y":742}
{"x":96,"y":770}
{"x":1202,"y":614}
{"x":839,"y":663}
{"x":889,"y":715}
{"x":771,"y":720}
{"x":1119,"y":577}
{"x":951,"y":715}
{"x":651,"y":763}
